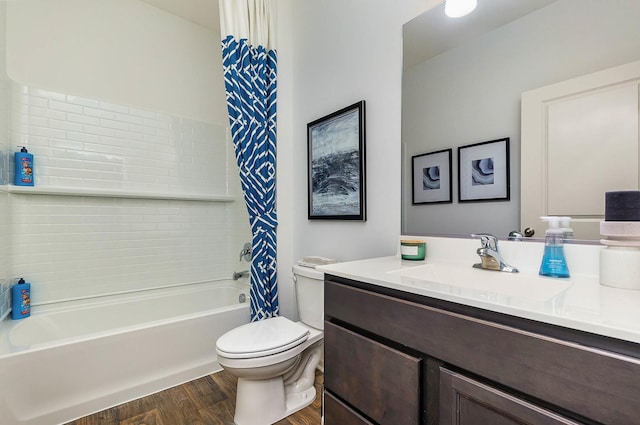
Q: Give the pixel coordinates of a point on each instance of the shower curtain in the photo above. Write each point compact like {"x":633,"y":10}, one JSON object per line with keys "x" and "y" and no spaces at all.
{"x":249,"y":60}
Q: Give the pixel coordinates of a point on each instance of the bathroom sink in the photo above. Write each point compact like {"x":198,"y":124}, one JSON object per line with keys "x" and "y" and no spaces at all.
{"x":463,"y":280}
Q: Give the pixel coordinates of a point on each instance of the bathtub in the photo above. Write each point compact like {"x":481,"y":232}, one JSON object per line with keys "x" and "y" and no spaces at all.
{"x":72,"y":359}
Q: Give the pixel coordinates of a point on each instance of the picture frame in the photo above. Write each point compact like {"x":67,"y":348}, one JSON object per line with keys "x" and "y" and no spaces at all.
{"x":431,"y":181}
{"x":336,"y":181}
{"x":483,"y":171}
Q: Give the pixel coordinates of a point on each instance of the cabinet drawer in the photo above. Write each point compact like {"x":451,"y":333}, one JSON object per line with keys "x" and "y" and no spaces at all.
{"x":338,"y":413}
{"x":379,"y":381}
{"x":465,"y":401}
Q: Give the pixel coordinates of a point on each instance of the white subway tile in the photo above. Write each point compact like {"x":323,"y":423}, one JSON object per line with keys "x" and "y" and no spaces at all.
{"x":127,"y":135}
{"x":62,"y":106}
{"x":47,"y":94}
{"x":65,"y":181}
{"x":57,"y":115}
{"x":83,"y":137}
{"x":100,"y":113}
{"x":99,"y":131}
{"x":83,"y":119}
{"x":45,"y":132}
{"x":131,"y":119}
{"x":114,"y":107}
{"x":33,"y":120}
{"x":36,"y":101}
{"x":83,"y":101}
{"x":32,"y":140}
{"x":113,"y":185}
{"x":63,"y":144}
{"x":64,"y":125}
{"x":72,"y":164}
{"x":118,"y":125}
{"x":34,"y":111}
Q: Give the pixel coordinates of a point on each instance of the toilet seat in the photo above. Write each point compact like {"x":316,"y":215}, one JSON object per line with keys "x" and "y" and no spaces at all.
{"x":262,"y":338}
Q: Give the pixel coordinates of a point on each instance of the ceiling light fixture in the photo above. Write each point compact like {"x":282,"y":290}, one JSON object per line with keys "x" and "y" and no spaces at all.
{"x":459,"y":8}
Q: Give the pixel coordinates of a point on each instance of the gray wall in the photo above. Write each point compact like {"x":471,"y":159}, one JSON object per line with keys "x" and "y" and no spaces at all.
{"x":471,"y":94}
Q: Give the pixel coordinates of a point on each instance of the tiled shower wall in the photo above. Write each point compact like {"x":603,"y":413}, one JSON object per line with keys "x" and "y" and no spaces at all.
{"x":81,"y":246}
{"x":89,"y":143}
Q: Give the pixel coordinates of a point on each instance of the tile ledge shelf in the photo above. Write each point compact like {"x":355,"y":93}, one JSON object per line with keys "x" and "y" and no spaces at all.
{"x":112,"y":193}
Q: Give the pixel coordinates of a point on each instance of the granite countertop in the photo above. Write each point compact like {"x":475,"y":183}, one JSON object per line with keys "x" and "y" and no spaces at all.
{"x":579,"y":302}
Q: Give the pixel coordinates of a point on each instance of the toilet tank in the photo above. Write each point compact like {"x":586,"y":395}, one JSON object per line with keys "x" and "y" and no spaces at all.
{"x":310,"y":295}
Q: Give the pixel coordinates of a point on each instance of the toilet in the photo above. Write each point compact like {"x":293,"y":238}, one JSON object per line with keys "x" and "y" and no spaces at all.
{"x":275,"y":359}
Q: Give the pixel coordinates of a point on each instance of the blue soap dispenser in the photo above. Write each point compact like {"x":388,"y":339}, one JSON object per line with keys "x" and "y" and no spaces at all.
{"x":24,"y":168}
{"x":20,"y":300}
{"x":554,"y":264}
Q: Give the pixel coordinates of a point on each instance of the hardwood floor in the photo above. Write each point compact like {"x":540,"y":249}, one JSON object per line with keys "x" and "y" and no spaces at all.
{"x":206,"y":401}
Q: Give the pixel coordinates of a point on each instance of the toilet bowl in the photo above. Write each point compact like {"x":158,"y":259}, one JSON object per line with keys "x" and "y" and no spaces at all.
{"x":275,"y":359}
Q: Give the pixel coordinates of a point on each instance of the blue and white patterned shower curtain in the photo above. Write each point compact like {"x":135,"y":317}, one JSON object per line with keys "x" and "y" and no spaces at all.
{"x":250,"y":83}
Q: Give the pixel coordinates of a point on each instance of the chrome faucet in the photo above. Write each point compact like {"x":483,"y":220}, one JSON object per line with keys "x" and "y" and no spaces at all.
{"x":489,"y":255}
{"x":246,"y":252}
{"x":515,"y":235}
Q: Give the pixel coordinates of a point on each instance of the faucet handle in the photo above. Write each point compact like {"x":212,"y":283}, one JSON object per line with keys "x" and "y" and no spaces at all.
{"x":487,"y":240}
{"x":246,"y":252}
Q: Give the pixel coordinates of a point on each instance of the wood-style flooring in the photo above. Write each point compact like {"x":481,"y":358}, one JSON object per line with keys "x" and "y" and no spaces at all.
{"x":206,"y":401}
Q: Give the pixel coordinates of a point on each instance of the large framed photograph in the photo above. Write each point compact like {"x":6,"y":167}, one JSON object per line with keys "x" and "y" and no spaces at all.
{"x":336,"y":165}
{"x":431,"y":177}
{"x":483,"y":171}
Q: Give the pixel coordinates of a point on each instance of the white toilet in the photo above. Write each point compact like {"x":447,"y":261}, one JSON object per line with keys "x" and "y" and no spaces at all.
{"x":275,"y":359}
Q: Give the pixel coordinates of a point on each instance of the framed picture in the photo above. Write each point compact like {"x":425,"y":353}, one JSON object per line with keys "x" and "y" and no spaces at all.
{"x":336,"y":165}
{"x":431,"y":181}
{"x":483,"y":171}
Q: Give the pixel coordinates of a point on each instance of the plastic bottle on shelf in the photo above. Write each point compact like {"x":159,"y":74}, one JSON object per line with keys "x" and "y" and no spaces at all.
{"x":24,"y":168}
{"x":20,"y":300}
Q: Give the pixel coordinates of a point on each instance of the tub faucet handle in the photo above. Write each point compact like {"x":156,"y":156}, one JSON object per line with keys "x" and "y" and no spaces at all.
{"x":246,"y":252}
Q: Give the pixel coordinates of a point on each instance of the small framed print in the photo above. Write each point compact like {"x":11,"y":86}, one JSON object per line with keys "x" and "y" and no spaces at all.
{"x":483,"y":171}
{"x":431,"y":177}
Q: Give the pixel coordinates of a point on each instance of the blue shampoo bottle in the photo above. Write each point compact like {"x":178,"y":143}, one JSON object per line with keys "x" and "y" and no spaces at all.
{"x":24,"y":168}
{"x":20,"y":300}
{"x":554,"y":263}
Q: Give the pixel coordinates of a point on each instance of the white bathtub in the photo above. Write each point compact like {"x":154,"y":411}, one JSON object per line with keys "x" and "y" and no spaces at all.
{"x":67,"y":361}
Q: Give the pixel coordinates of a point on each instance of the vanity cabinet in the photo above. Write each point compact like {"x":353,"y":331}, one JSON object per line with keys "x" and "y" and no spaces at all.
{"x":393,"y":357}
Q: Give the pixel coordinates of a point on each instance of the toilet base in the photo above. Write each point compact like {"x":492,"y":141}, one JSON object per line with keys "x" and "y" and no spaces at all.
{"x":266,"y":401}
{"x":253,"y":410}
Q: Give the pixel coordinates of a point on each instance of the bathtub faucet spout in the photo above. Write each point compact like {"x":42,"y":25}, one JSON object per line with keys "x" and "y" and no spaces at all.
{"x":238,"y":275}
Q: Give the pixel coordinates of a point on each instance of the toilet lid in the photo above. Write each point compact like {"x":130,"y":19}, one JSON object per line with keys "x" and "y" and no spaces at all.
{"x":261,"y":338}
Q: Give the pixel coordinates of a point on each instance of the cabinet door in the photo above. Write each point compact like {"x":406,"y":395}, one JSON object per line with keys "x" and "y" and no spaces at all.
{"x":338,"y":413}
{"x":379,"y":381}
{"x":464,"y":401}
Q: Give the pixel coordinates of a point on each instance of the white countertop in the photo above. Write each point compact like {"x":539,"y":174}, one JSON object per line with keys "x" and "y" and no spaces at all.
{"x":579,"y":302}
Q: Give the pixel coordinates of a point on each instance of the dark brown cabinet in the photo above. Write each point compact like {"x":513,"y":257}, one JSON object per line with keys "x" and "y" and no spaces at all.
{"x":403,"y":359}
